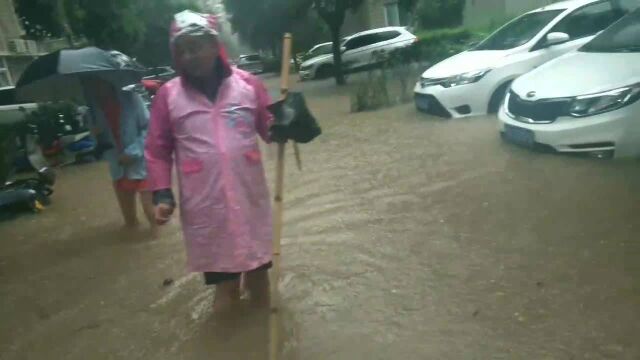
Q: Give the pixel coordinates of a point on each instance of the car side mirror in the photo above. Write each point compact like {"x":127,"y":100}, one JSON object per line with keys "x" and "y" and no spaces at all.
{"x":556,"y":38}
{"x":343,"y":49}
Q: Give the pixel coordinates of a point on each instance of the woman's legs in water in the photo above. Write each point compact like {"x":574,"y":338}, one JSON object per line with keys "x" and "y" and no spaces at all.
{"x":146,"y":198}
{"x":127,"y":202}
{"x":257,"y":283}
{"x":227,"y":295}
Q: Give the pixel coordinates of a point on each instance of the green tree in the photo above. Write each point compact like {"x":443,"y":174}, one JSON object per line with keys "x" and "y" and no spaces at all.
{"x":153,"y":48}
{"x":114,"y":24}
{"x":436,"y":14}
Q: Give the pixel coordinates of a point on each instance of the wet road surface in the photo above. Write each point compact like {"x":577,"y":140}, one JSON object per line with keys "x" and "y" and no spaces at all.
{"x":407,"y":237}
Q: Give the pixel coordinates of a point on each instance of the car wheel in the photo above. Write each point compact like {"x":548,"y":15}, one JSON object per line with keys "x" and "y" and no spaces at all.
{"x":325,"y":71}
{"x":497,"y":98}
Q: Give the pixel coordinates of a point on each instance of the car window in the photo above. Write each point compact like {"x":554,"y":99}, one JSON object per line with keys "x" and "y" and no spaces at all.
{"x":362,"y":41}
{"x":519,"y":31}
{"x":623,"y":36}
{"x":250,"y":58}
{"x":388,"y":35}
{"x":8,"y":97}
{"x":589,"y":20}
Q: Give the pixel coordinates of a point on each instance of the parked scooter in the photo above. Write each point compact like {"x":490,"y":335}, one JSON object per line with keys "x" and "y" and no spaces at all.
{"x":24,"y":195}
{"x":61,"y":133}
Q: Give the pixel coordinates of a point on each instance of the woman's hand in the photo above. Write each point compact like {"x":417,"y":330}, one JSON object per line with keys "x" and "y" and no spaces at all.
{"x":163,"y":213}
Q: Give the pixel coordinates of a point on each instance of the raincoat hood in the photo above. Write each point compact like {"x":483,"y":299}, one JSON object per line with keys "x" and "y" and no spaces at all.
{"x":190,"y":23}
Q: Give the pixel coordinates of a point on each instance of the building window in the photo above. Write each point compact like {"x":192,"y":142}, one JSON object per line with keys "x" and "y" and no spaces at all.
{"x":392,"y":14}
{"x":5,"y":75}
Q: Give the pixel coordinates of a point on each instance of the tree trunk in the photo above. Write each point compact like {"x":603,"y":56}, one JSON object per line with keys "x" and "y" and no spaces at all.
{"x":61,"y":15}
{"x":337,"y":56}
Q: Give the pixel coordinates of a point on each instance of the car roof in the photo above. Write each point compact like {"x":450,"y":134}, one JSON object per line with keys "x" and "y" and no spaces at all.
{"x":567,"y":5}
{"x":7,"y":88}
{"x":378,"y":30}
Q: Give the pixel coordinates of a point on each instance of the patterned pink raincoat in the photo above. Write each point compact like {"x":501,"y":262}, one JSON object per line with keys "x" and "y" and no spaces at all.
{"x":224,"y":199}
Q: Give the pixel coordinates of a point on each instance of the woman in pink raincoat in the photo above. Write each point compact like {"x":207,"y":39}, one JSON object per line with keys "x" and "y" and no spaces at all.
{"x":209,"y":119}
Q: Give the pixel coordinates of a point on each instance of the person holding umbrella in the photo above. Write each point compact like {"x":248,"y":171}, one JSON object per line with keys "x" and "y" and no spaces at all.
{"x":209,"y":119}
{"x":119,"y":121}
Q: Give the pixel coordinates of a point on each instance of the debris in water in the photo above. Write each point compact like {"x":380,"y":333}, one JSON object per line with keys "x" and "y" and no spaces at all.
{"x":167,"y":282}
{"x":476,"y":313}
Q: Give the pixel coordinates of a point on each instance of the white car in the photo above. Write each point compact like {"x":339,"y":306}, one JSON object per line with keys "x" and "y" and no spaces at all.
{"x":251,"y":63}
{"x":318,"y":50}
{"x":474,"y":82}
{"x":13,"y":111}
{"x":359,"y":51}
{"x":583,"y":102}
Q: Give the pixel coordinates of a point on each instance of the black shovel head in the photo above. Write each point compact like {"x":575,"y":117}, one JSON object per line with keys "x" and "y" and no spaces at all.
{"x":293,"y":120}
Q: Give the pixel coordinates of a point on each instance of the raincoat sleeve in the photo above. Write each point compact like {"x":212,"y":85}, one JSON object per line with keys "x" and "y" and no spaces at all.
{"x":136,"y":149}
{"x":159,"y":145}
{"x":264,"y":118}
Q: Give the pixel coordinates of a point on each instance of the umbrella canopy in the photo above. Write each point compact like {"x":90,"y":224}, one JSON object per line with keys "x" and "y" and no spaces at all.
{"x":57,"y":76}
{"x":293,"y":120}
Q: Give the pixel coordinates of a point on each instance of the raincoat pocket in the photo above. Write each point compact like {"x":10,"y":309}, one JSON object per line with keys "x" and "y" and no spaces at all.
{"x":191,"y":166}
{"x":253,"y":157}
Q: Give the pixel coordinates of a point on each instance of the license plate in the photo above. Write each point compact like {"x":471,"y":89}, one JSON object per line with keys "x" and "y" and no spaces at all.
{"x":520,"y":136}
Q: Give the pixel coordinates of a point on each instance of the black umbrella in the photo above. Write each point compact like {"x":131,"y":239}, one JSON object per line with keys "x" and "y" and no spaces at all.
{"x":293,"y":120}
{"x":57,"y":76}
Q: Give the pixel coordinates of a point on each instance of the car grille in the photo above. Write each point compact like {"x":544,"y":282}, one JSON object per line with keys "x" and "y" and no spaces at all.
{"x":540,"y":111}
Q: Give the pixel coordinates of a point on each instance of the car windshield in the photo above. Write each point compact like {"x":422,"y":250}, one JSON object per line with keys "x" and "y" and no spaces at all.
{"x":623,"y":36}
{"x":321,"y":50}
{"x":250,"y":58}
{"x":518,"y":32}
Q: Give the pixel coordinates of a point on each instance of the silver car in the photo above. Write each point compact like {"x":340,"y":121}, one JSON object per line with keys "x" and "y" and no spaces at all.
{"x":251,"y":63}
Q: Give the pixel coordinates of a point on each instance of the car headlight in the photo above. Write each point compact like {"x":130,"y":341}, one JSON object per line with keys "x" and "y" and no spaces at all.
{"x":594,"y":104}
{"x":466,"y":78}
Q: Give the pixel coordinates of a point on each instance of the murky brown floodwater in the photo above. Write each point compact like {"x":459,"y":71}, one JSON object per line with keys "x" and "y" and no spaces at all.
{"x":406,"y":237}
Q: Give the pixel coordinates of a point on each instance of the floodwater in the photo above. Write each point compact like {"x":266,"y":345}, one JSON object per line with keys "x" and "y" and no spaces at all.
{"x":407,"y":237}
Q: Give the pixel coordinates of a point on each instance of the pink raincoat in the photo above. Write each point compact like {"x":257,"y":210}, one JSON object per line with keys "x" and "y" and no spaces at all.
{"x":224,"y":199}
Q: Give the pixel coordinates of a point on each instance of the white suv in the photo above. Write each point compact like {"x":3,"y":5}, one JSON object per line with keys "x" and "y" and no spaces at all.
{"x":359,"y":51}
{"x":475,"y":82}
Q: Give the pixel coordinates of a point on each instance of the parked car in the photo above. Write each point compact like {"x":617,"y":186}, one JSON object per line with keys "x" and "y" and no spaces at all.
{"x":359,"y":51}
{"x":252,"y":63}
{"x":583,"y":102}
{"x":318,"y":50}
{"x":11,"y":110}
{"x":474,"y":82}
